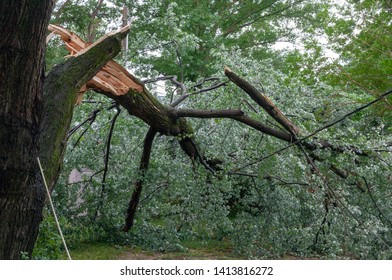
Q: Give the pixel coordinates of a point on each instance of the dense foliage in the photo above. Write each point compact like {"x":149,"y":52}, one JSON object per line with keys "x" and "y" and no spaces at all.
{"x":266,"y":206}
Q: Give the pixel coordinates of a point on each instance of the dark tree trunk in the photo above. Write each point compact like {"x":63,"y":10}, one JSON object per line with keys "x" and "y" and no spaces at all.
{"x":35,"y":115}
{"x":23,"y":28}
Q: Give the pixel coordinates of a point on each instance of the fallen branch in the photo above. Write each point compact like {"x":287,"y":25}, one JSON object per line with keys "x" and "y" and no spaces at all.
{"x":144,"y":162}
{"x":263,"y":101}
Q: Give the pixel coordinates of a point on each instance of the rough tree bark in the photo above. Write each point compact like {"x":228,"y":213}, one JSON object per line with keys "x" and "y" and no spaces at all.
{"x":35,"y":114}
{"x":23,"y":28}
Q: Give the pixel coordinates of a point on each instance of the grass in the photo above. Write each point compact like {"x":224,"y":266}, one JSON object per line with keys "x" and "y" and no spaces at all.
{"x":96,"y":251}
{"x":196,"y":250}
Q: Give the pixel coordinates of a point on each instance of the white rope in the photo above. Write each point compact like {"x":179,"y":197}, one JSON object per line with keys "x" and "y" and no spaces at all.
{"x":53,"y":211}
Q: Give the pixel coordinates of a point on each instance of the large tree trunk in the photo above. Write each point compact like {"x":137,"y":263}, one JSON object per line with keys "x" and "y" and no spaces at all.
{"x":35,"y":115}
{"x":23,"y":31}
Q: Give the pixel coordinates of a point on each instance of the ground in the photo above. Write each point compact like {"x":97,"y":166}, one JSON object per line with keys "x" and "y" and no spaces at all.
{"x":213,"y":250}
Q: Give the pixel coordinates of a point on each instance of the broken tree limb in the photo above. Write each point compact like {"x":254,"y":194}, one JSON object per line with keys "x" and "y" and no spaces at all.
{"x":59,"y":94}
{"x":139,"y":102}
{"x":263,"y":101}
{"x":116,"y":82}
{"x":113,"y":77}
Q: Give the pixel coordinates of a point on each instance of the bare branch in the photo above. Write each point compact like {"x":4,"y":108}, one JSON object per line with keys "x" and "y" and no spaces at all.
{"x":192,"y":113}
{"x":161,"y":186}
{"x":263,"y":101}
{"x":91,"y":119}
{"x":179,"y":100}
{"x":107,"y":157}
{"x":250,"y":105}
{"x":214,"y":86}
{"x":109,"y":140}
{"x":203,"y":81}
{"x":263,"y":128}
{"x":144,"y":162}
{"x":173,"y":79}
{"x":269,"y":177}
{"x":185,"y":96}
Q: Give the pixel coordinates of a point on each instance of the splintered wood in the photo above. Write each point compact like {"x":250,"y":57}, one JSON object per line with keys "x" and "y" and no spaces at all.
{"x":111,"y":79}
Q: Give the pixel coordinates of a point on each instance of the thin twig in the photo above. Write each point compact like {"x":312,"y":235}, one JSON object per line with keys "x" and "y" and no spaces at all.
{"x":91,"y":118}
{"x":269,"y":177}
{"x":107,"y":157}
{"x":163,"y":185}
{"x":374,"y":202}
{"x":185,"y":96}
